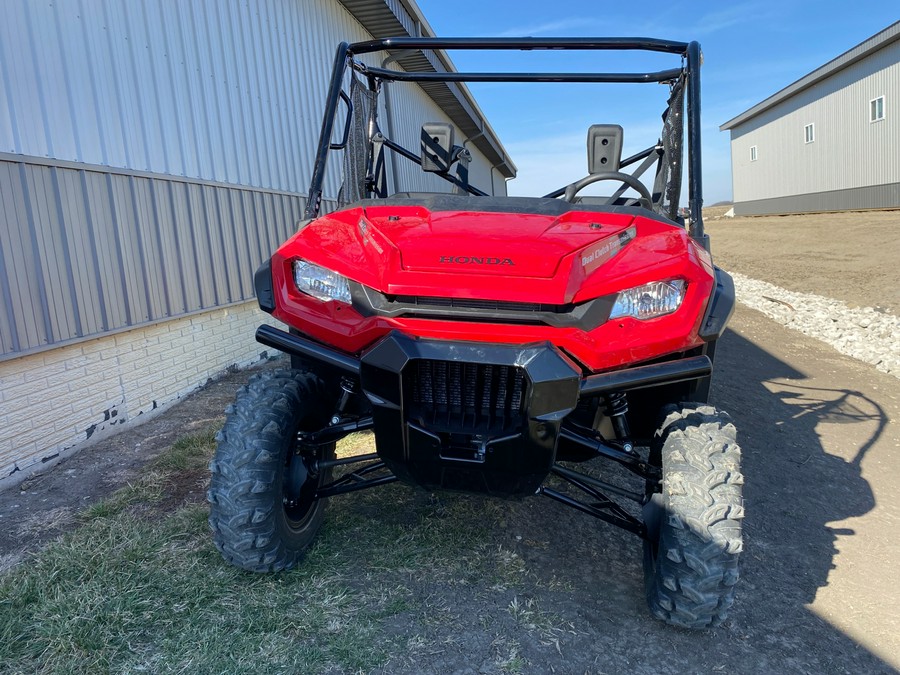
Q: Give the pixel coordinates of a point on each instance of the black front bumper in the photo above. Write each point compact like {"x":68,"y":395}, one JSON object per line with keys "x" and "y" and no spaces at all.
{"x":471,"y":416}
{"x":468,"y":416}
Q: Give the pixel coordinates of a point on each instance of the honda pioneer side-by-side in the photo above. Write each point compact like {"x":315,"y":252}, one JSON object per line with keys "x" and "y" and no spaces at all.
{"x":495,"y":344}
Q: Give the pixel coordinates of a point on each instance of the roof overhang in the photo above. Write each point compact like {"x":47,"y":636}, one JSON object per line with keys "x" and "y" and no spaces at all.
{"x":862,"y":50}
{"x":399,"y":18}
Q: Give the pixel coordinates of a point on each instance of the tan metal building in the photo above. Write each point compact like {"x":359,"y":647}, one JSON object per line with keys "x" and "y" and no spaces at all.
{"x":152,"y":154}
{"x":828,"y":142}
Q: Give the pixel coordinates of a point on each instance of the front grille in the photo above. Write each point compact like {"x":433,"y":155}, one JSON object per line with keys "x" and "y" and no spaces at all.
{"x":450,"y":396}
{"x":585,"y":315}
{"x":491,"y":305}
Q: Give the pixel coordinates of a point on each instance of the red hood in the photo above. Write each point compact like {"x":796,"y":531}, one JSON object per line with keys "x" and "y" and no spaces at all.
{"x":486,"y":243}
{"x":408,"y":250}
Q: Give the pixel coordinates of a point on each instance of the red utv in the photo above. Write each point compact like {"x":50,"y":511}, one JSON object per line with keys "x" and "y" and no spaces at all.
{"x":492,"y":343}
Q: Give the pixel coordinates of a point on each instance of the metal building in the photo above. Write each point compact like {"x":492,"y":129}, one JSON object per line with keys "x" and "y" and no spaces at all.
{"x":828,"y":142}
{"x":152,"y":154}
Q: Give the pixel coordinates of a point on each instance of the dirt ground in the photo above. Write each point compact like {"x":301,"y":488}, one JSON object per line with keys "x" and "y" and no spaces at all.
{"x":854,"y":257}
{"x":818,"y":590}
{"x":45,"y":505}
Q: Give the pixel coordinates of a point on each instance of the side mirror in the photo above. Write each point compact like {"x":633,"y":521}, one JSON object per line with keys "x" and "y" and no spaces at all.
{"x":437,"y":146}
{"x":604,"y":147}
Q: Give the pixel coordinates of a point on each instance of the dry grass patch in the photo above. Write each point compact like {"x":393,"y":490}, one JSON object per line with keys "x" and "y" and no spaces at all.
{"x":138,"y":586}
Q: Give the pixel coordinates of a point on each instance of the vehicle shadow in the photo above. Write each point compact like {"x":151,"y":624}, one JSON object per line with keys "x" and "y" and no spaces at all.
{"x":581,"y":583}
{"x":794,"y":490}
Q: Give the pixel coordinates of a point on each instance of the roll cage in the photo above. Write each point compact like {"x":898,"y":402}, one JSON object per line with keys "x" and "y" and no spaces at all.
{"x":684,"y":81}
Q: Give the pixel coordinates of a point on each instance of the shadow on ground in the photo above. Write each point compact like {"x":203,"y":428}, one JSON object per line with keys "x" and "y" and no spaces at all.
{"x":584,"y":583}
{"x":794,"y":490}
{"x":557,"y":591}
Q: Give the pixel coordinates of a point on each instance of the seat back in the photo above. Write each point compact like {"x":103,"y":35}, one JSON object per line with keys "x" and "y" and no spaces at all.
{"x":604,"y":147}
{"x":437,"y":146}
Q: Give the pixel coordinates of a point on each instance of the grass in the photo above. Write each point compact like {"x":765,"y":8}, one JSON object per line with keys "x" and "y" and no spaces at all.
{"x":137,"y":586}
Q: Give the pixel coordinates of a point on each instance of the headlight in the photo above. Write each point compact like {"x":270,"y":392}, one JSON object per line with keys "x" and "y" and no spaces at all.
{"x":650,"y":300}
{"x":320,"y":283}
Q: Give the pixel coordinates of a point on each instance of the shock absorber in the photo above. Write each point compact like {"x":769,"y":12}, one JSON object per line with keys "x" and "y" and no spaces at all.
{"x":348,"y":388}
{"x":616,"y":407}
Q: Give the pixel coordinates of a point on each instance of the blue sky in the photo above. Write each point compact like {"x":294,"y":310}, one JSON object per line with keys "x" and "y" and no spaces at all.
{"x":751,"y":50}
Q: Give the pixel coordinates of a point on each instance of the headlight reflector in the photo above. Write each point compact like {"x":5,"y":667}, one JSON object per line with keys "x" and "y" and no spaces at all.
{"x":320,"y":283}
{"x":649,"y":301}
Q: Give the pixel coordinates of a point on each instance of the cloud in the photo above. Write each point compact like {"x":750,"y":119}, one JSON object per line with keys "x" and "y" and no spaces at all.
{"x":543,"y":28}
{"x":713,"y":22}
{"x":673,"y":23}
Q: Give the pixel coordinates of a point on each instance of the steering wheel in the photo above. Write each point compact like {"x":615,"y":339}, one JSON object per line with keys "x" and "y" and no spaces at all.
{"x":574,"y":188}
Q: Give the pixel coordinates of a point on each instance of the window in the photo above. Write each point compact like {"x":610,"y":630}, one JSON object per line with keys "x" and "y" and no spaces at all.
{"x":809,"y":133}
{"x":876,"y":109}
{"x":752,"y":153}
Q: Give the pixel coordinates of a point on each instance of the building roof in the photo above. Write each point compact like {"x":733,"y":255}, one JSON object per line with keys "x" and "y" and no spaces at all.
{"x":848,"y":58}
{"x":403,"y":18}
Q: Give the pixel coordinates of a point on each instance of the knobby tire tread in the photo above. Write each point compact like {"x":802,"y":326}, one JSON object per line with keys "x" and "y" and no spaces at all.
{"x":691,"y":575}
{"x":245,"y":492}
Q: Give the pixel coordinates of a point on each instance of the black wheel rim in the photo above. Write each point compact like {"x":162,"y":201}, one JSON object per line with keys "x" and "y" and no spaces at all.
{"x":299,"y":487}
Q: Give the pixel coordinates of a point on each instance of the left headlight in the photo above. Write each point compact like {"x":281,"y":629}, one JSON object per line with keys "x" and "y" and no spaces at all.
{"x":650,"y":300}
{"x":321,"y":283}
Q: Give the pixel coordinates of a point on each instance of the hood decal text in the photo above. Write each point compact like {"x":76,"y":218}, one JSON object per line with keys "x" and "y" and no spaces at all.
{"x":474,"y":260}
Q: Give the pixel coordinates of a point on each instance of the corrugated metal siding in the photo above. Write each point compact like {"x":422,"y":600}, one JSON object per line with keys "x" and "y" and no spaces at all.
{"x":222,"y":91}
{"x":849,"y":151}
{"x":227,"y":92}
{"x":409,"y":112}
{"x":870,"y":197}
{"x":206,"y":115}
{"x":85,"y":252}
{"x":878,"y":41}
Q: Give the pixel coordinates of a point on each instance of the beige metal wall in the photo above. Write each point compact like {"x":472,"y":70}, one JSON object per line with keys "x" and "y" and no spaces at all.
{"x":850,"y":154}
{"x":408,"y":112}
{"x":152,"y":154}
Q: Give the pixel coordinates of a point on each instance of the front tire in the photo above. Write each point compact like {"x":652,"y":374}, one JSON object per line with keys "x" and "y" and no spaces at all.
{"x":263,"y":510}
{"x":694,"y":518}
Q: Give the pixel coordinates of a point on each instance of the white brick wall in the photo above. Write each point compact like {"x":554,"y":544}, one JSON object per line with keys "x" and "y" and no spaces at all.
{"x":56,"y":402}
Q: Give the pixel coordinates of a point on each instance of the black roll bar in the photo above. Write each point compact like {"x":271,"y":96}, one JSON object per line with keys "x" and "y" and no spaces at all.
{"x":523,"y":43}
{"x":616,"y":78}
{"x":695,"y":184}
{"x":334,"y":95}
{"x":690,"y":52}
{"x":343,"y":144}
{"x":399,"y":149}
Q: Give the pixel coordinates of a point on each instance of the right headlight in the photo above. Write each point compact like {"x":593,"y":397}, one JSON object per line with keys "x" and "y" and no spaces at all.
{"x":320,"y":282}
{"x":649,"y":301}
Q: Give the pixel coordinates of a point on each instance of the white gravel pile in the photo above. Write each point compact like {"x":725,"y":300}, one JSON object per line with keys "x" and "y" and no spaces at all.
{"x":866,"y":334}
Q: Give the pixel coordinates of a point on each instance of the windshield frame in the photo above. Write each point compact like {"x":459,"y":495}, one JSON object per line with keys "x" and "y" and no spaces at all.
{"x":691,"y":59}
